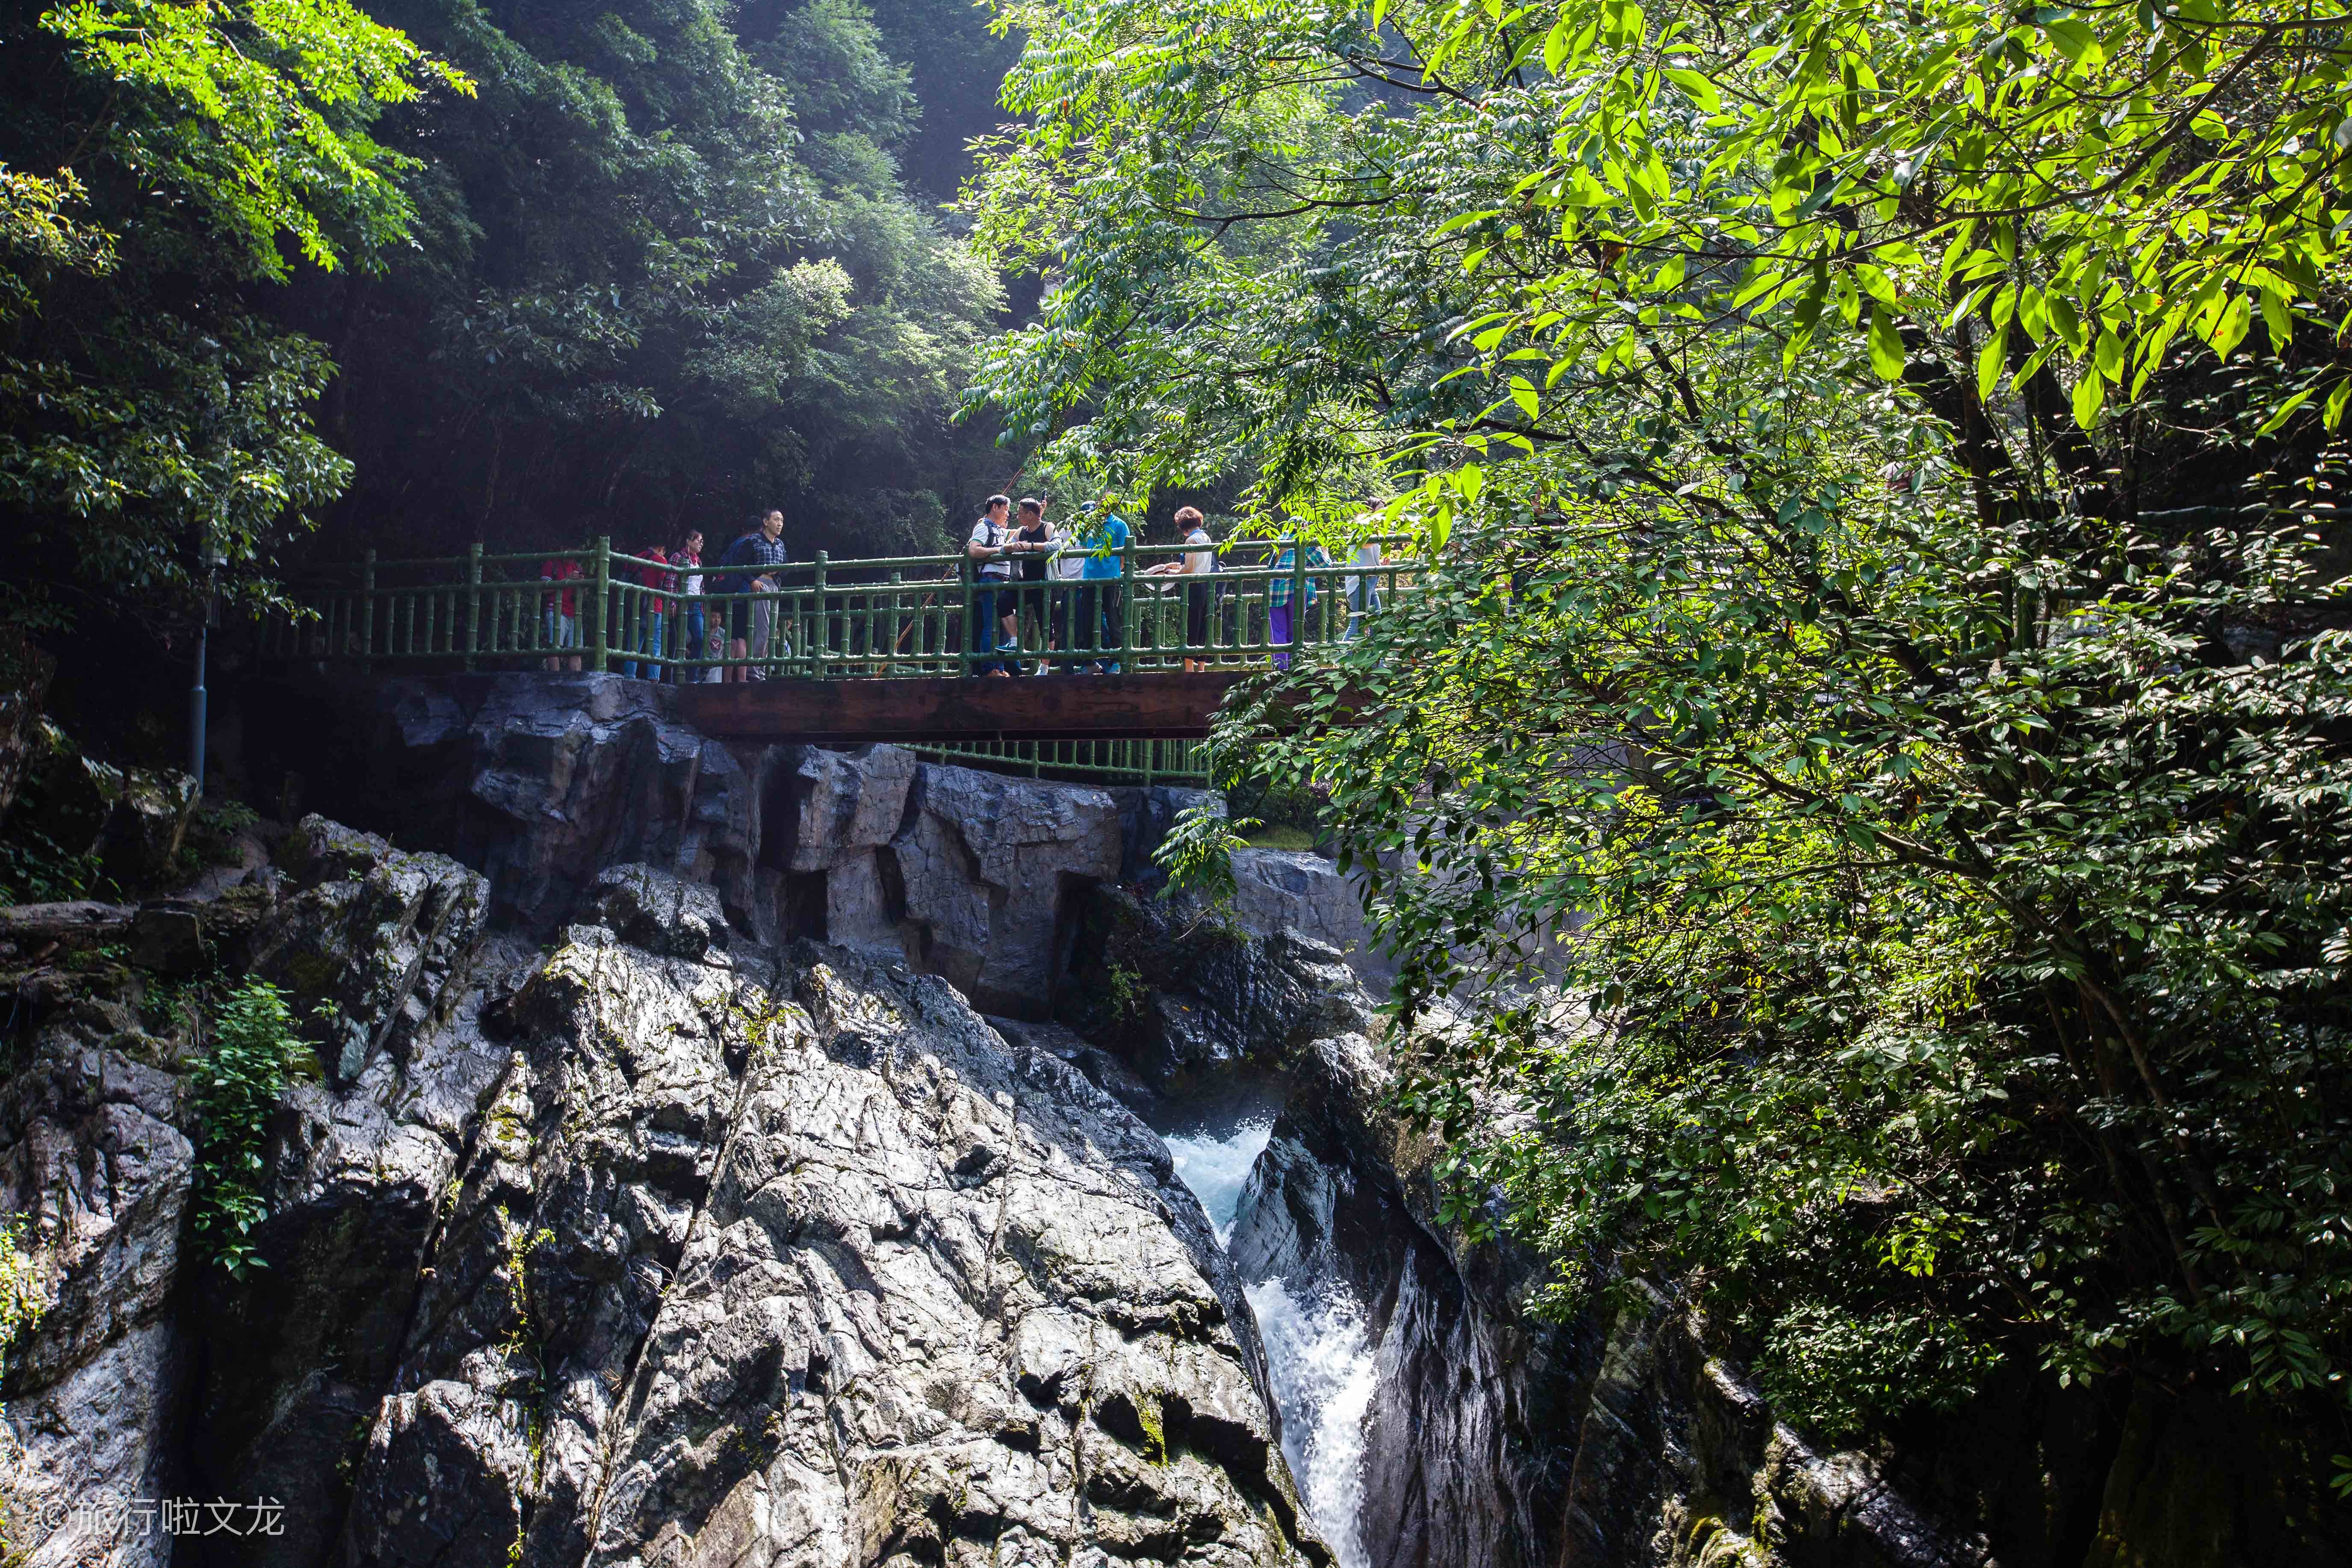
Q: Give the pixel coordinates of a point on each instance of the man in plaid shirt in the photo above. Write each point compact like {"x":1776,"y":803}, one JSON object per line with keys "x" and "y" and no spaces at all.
{"x":755,"y":556}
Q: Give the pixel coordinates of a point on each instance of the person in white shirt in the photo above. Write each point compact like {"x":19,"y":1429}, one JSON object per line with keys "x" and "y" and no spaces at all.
{"x":1363,"y":590}
{"x":1200,"y":595}
{"x":994,"y":605}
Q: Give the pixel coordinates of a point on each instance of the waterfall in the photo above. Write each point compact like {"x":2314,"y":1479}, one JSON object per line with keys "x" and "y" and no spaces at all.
{"x":1320,"y":1356}
{"x":1321,"y":1363}
{"x":1217,"y":1168}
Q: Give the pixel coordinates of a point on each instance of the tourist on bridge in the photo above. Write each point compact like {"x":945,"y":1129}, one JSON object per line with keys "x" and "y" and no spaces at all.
{"x":692,"y":628}
{"x":1363,"y":589}
{"x":643,"y":627}
{"x":1102,"y":612}
{"x":755,"y":556}
{"x":1200,"y":595}
{"x":1283,"y":625}
{"x":996,"y":608}
{"x":558,"y":617}
{"x":1037,"y":539}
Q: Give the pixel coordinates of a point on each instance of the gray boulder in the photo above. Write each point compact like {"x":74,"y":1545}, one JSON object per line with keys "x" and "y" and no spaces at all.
{"x":371,"y":941}
{"x":660,"y":912}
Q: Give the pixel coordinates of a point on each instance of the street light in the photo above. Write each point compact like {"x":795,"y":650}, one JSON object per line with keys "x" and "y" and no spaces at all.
{"x":212,"y":560}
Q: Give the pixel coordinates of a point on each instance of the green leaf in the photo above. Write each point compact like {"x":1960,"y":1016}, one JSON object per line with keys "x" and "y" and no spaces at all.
{"x":2285,"y":410}
{"x":2090,"y":396}
{"x":1695,"y":88}
{"x":1885,"y":345}
{"x":1990,"y":360}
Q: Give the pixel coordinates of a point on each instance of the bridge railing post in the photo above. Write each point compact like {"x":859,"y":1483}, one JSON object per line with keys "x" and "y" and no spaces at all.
{"x":367,"y":612}
{"x":890,"y":625}
{"x":473,"y":601}
{"x":1298,"y":595}
{"x":1127,"y":605}
{"x":964,"y":644}
{"x":821,"y":641}
{"x":600,"y":605}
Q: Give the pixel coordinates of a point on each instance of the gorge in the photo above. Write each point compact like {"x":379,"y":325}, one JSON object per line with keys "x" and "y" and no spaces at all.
{"x":705,"y":1164}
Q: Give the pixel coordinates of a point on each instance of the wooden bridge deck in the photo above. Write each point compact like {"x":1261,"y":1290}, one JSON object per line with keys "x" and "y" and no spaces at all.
{"x":1162,"y":705}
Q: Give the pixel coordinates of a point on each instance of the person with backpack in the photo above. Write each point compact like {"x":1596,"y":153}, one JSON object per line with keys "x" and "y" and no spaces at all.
{"x":995,"y":609}
{"x":750,"y":566}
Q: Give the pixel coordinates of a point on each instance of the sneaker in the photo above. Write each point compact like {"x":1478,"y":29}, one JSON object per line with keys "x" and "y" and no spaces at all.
{"x":1012,"y":646}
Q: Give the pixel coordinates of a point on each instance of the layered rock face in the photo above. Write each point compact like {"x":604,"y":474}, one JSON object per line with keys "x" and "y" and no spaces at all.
{"x":653,"y":1244}
{"x":544,"y":783}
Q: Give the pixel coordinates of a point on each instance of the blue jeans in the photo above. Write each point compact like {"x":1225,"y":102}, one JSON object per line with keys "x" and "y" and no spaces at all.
{"x":987,"y":603}
{"x":693,"y":646}
{"x":650,"y":640}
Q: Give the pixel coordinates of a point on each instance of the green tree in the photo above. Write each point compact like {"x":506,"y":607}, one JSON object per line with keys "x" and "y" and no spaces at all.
{"x":1860,"y":742}
{"x":152,"y":421}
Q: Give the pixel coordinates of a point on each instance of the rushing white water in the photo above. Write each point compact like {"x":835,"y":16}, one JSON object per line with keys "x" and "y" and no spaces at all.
{"x":1217,"y":1167}
{"x":1318,"y":1356}
{"x":1321,"y":1363}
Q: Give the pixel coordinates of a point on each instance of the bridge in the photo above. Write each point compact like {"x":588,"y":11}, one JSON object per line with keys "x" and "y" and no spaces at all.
{"x":856,"y":650}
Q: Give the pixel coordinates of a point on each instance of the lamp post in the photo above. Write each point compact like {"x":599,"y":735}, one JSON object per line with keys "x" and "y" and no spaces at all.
{"x":212,"y":561}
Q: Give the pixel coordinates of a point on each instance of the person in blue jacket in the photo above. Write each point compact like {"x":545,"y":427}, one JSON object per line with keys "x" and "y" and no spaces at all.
{"x":1101,"y":611}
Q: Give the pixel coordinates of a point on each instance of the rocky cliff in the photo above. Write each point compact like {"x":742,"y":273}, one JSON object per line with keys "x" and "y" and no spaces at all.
{"x":637,"y":1247}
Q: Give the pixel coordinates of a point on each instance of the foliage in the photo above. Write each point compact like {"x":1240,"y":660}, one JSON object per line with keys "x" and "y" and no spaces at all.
{"x":23,"y":1296}
{"x":1860,"y":744}
{"x":253,"y":1056}
{"x":668,"y":273}
{"x":155,"y":428}
{"x":1198,"y":852}
{"x":258,"y":129}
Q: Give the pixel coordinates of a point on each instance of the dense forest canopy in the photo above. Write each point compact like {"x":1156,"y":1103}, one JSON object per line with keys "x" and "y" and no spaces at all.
{"x":1865,"y":765}
{"x":428,"y":273}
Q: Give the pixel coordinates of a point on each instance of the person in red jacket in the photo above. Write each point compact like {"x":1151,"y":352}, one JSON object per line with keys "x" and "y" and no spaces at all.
{"x":560,"y":611}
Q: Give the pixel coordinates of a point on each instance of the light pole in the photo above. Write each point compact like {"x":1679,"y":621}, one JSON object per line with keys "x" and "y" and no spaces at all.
{"x":212,"y":561}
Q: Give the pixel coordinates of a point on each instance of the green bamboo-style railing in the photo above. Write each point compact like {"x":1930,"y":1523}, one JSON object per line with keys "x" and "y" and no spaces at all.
{"x":894,"y":617}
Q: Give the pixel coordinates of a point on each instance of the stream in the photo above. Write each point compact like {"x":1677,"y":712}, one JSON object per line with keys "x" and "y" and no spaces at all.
{"x":1319,"y":1359}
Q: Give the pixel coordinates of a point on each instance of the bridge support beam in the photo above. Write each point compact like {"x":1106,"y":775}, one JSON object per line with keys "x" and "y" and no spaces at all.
{"x":1163,"y":705}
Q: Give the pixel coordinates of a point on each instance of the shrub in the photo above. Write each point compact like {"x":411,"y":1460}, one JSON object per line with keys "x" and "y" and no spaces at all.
{"x":253,"y":1056}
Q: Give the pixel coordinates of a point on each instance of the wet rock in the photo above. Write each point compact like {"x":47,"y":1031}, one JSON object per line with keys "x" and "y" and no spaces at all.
{"x":817,"y":1272}
{"x":146,"y":818}
{"x":989,"y":872}
{"x":169,"y":939}
{"x":91,"y":1159}
{"x":1179,"y":990}
{"x":660,"y":912}
{"x":1287,"y":890}
{"x":371,"y":940}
